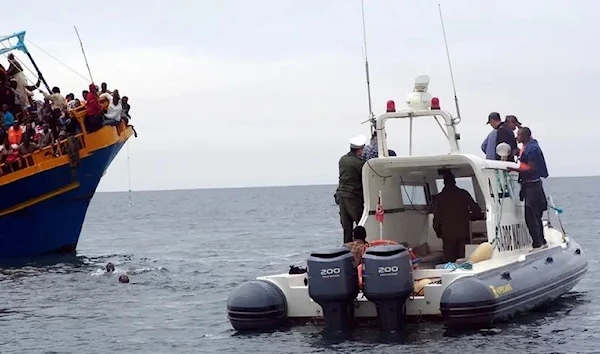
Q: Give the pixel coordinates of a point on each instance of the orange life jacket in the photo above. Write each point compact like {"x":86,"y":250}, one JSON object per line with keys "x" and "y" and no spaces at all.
{"x":14,"y":136}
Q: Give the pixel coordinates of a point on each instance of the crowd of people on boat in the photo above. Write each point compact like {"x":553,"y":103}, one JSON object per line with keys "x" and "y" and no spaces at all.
{"x":454,"y":202}
{"x":27,"y":124}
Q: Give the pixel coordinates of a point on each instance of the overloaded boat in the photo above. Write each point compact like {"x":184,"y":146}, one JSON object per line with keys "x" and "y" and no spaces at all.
{"x":46,"y":193}
{"x":403,"y":273}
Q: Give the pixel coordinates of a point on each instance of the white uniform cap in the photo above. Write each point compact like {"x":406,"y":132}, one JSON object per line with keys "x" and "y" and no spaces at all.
{"x":358,"y":142}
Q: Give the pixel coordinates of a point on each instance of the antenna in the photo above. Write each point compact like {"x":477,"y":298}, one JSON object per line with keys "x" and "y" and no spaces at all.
{"x":449,"y":62}
{"x":371,"y":115}
{"x":84,"y":57}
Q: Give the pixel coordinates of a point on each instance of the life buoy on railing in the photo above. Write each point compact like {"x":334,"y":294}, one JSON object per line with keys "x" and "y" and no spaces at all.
{"x":413,"y":257}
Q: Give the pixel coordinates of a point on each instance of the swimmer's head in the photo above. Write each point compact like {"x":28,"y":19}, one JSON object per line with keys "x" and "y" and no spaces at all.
{"x":123,"y":279}
{"x":110,"y":267}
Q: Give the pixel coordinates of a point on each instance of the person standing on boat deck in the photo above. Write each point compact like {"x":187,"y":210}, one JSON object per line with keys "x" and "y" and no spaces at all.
{"x":371,"y":151}
{"x":488,"y":148}
{"x":357,"y":246}
{"x":58,"y":101}
{"x":532,"y":168}
{"x":15,"y":72}
{"x":512,"y":122}
{"x":500,"y":134}
{"x":453,"y":210}
{"x":349,"y":194}
{"x":94,"y":117}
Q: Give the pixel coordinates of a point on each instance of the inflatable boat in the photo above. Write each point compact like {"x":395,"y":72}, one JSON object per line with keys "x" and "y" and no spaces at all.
{"x":403,"y":273}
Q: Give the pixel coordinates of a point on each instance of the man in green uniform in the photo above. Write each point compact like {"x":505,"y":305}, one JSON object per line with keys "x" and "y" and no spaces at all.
{"x":349,"y":194}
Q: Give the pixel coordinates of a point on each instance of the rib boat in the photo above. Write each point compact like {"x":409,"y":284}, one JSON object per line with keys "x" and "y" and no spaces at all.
{"x":403,"y":274}
{"x":44,"y":201}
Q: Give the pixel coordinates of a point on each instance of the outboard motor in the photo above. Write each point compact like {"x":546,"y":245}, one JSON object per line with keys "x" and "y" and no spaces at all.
{"x":388,"y":282}
{"x":333,"y":284}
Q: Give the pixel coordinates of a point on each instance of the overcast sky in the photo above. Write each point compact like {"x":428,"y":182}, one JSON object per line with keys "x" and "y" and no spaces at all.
{"x":268,"y":92}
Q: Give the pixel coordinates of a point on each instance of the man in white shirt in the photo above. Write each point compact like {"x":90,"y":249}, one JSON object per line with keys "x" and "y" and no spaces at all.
{"x":113,"y":113}
{"x":57,"y":100}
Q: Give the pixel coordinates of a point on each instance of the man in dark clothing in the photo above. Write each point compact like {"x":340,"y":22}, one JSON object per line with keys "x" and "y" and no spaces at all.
{"x":503,"y":135}
{"x":532,"y":168}
{"x":349,"y":194}
{"x":453,"y":210}
{"x":512,"y":122}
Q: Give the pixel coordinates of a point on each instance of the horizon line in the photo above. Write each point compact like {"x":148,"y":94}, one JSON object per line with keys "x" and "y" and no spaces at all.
{"x":272,"y":186}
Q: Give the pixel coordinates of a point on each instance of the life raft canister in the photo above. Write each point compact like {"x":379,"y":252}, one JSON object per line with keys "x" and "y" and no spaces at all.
{"x":413,"y":257}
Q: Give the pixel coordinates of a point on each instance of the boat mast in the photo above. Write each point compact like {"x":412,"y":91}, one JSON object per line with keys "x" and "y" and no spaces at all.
{"x":38,"y":71}
{"x":364,"y":27}
{"x":449,"y":62}
{"x":84,"y":56}
{"x":20,"y":36}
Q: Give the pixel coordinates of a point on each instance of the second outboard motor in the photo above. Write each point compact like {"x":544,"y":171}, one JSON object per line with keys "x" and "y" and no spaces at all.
{"x":333,"y":284}
{"x":388,"y":282}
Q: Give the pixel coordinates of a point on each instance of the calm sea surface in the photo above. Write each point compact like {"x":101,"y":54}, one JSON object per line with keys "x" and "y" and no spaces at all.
{"x":186,"y":250}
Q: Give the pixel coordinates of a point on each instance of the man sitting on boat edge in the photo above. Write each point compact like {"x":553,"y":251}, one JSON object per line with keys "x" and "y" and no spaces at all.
{"x":532,"y":168}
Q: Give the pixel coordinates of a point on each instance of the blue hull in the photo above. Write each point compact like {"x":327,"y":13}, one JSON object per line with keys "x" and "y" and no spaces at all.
{"x":53,"y":225}
{"x":501,"y":294}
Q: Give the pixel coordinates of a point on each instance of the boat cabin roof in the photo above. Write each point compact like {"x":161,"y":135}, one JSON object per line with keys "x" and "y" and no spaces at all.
{"x":462,"y":165}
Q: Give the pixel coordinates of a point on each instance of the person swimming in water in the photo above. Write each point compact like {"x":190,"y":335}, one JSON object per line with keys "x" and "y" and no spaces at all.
{"x":123,"y":278}
{"x":110,"y":267}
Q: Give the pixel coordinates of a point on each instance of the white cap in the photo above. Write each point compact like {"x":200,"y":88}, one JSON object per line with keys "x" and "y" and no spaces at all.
{"x":358,"y":142}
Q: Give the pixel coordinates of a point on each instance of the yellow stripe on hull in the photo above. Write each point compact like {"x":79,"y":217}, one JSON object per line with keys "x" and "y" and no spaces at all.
{"x":33,"y":201}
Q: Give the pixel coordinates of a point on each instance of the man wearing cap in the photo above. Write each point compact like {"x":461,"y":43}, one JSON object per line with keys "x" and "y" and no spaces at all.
{"x":349,"y":194}
{"x":501,"y":134}
{"x":512,"y":122}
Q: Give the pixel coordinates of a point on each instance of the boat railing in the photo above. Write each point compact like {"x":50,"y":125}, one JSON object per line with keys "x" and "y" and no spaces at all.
{"x":60,"y":147}
{"x":55,"y":150}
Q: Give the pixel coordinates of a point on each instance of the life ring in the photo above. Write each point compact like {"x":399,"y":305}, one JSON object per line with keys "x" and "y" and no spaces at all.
{"x":413,"y":258}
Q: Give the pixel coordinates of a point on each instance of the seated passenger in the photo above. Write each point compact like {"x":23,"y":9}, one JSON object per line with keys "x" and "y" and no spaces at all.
{"x":12,"y":157}
{"x":72,"y":102}
{"x":84,"y":94}
{"x":27,"y":147}
{"x":105,"y":93}
{"x":453,"y":210}
{"x":7,"y":117}
{"x":113,"y":114}
{"x":357,"y":246}
{"x":46,"y":136}
{"x":15,"y":134}
{"x":126,"y":107}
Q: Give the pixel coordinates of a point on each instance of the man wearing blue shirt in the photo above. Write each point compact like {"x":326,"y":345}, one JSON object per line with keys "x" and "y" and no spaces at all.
{"x":532,"y":168}
{"x":7,"y":117}
{"x":502,"y":133}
